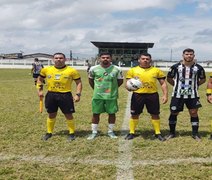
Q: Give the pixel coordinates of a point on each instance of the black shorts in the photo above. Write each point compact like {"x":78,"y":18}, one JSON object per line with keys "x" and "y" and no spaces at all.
{"x":55,"y":100}
{"x":35,"y":75}
{"x":150,"y":100}
{"x":177,"y":104}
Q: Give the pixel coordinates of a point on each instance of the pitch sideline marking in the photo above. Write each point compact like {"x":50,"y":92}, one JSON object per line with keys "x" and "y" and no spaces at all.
{"x":57,"y":160}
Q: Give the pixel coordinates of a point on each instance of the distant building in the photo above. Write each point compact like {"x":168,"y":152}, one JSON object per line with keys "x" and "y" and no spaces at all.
{"x":11,"y":56}
{"x":38,"y":55}
{"x":123,"y":53}
{"x":27,"y":56}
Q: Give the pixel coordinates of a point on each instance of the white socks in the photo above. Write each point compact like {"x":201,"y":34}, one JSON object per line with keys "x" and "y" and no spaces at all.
{"x":110,"y":127}
{"x":94,"y":127}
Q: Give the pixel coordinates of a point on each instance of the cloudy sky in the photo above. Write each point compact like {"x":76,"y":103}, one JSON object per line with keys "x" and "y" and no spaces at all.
{"x":49,"y":26}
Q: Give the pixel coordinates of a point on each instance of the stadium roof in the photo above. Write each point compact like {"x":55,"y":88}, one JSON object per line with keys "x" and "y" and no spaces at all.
{"x":122,"y":45}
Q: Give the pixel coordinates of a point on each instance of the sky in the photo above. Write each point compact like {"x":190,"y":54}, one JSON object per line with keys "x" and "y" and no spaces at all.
{"x":49,"y":26}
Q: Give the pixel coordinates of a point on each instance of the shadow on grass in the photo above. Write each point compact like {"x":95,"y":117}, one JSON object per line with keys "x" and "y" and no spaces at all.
{"x":149,"y":134}
{"x":81,"y":133}
{"x":145,"y":134}
{"x":189,"y":133}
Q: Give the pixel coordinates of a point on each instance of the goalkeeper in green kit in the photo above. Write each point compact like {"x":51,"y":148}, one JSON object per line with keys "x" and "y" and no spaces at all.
{"x":105,"y":79}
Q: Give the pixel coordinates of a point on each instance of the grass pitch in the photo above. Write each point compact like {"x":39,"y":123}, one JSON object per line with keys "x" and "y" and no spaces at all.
{"x":23,"y":155}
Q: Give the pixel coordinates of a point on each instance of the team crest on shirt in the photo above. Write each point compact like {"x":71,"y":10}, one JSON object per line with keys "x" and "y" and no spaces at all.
{"x":57,"y":76}
{"x":180,"y":69}
{"x":105,"y":74}
{"x":195,"y":70}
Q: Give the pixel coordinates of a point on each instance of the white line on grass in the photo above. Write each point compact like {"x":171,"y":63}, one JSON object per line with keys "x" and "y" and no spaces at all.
{"x":173,"y":161}
{"x":124,"y":163}
{"x":57,"y":160}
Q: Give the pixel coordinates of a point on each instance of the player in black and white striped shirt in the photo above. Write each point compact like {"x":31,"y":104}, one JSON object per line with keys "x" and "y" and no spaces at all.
{"x":185,"y":77}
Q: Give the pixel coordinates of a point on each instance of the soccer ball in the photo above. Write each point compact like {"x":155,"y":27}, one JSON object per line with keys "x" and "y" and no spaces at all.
{"x":133,"y":84}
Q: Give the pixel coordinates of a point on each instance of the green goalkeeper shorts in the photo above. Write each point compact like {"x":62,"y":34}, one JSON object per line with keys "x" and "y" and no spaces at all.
{"x":100,"y":106}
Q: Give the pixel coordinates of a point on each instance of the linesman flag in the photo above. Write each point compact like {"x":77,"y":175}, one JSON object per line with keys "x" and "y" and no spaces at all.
{"x":41,"y":104}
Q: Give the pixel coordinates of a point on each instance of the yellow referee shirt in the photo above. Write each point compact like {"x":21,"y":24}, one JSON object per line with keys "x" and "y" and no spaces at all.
{"x":59,"y":80}
{"x":148,"y":77}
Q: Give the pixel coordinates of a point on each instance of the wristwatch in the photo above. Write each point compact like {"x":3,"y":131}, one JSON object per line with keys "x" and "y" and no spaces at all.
{"x":78,"y":94}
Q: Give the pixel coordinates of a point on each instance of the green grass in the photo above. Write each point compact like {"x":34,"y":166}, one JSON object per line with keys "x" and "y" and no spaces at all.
{"x":23,"y":155}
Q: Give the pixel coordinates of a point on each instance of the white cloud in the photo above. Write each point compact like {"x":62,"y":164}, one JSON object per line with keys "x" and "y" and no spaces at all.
{"x":51,"y":25}
{"x":204,"y":5}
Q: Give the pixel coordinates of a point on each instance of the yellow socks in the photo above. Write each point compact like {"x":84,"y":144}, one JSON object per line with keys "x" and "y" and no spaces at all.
{"x":50,"y":125}
{"x":71,"y":126}
{"x":156,"y":125}
{"x":133,"y":125}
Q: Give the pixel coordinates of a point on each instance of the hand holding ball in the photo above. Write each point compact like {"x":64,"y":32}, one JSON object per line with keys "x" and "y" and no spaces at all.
{"x":133,"y":84}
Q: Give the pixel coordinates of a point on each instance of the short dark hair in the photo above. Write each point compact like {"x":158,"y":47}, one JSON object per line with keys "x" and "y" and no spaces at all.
{"x":59,"y":53}
{"x":36,"y":59}
{"x":188,"y":50}
{"x":105,"y":53}
{"x":145,"y":54}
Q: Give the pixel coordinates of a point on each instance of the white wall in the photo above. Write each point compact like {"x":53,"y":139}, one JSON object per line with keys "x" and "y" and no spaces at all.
{"x":81,"y":64}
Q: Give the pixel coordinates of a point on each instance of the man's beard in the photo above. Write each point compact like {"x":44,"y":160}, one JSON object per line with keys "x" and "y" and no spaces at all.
{"x":106,"y":62}
{"x":188,"y":60}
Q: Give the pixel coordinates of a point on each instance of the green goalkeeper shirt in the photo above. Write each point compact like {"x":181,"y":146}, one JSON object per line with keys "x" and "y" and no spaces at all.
{"x":105,"y":81}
